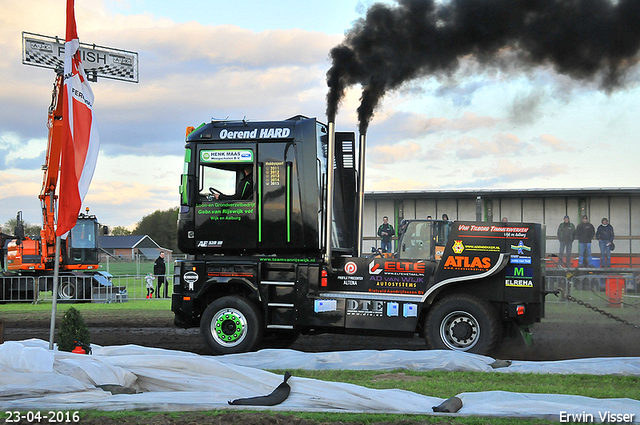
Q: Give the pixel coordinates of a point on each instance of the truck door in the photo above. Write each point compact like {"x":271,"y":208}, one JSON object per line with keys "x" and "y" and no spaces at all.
{"x":225,"y":213}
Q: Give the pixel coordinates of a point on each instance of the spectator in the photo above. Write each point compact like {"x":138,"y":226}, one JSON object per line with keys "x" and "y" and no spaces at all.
{"x":159,"y":269}
{"x":445,"y":217}
{"x":566,"y":235}
{"x":149,"y":278}
{"x":505,"y":219}
{"x":605,"y":237}
{"x":585,"y":233}
{"x":429,"y":217}
{"x":386,"y":232}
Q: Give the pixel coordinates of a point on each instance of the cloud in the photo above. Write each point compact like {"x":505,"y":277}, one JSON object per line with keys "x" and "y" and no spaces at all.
{"x":554,"y":143}
{"x":396,"y":125}
{"x":525,"y":109}
{"x":509,"y":172}
{"x":390,"y":154}
{"x":500,"y":145}
{"x":393,"y":183}
{"x":460,"y":94}
{"x":18,"y":154}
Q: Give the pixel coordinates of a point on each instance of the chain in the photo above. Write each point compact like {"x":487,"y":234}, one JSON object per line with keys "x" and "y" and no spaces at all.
{"x":596,"y":309}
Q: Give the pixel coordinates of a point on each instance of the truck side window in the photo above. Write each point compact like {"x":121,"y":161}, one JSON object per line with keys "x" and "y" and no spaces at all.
{"x":228,"y":182}
{"x":218,"y":178}
{"x":416,"y":242}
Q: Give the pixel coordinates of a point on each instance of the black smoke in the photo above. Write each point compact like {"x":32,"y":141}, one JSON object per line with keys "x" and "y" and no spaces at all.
{"x":596,"y":40}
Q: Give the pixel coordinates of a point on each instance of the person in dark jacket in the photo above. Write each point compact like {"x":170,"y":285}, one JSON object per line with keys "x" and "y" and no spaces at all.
{"x":159,"y":269}
{"x":605,"y":237}
{"x":386,"y":232}
{"x":585,"y":233}
{"x":566,"y":235}
{"x":244,"y":189}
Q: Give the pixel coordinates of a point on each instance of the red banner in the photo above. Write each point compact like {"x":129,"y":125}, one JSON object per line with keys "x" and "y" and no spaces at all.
{"x":80,"y":142}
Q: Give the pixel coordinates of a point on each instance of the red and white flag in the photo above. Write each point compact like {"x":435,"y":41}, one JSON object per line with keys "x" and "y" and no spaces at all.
{"x":80,"y":142}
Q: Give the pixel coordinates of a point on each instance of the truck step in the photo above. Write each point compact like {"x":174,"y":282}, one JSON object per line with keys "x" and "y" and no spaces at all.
{"x":277,"y":282}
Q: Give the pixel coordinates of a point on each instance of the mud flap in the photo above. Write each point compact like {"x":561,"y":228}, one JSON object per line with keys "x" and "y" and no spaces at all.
{"x":527,"y":336}
{"x":278,"y":395}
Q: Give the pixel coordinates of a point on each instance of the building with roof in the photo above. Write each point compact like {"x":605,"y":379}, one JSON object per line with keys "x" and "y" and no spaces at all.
{"x":131,"y":247}
{"x":621,"y":206}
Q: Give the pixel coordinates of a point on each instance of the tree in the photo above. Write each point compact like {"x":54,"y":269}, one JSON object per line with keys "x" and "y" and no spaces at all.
{"x":30,"y":230}
{"x":73,"y":330}
{"x":120,"y":231}
{"x":161,"y":226}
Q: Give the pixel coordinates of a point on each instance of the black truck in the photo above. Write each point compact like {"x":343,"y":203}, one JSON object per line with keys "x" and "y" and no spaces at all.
{"x":264,"y":267}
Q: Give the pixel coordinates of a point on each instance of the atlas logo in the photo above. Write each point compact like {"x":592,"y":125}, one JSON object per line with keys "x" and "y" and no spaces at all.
{"x":350,"y":268}
{"x":458,"y":247}
{"x":466,"y":263}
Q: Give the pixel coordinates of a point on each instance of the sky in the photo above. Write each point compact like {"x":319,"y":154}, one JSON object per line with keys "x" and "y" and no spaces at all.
{"x":198,"y":60}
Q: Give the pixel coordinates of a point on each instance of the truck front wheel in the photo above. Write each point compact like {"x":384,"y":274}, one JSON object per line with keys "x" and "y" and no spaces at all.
{"x":231,"y":325}
{"x":463,"y":323}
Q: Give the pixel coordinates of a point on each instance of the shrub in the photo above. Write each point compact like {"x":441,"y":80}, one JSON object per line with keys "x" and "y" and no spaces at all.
{"x":72,"y":329}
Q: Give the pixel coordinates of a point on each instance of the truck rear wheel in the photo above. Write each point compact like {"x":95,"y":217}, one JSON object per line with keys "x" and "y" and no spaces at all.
{"x":463,"y":323}
{"x":231,"y":325}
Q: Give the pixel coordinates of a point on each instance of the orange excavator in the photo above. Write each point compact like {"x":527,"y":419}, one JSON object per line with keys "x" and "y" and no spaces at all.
{"x":30,"y":261}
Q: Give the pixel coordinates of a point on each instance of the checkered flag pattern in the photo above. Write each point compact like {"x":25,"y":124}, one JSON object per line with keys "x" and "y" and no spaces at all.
{"x":38,"y":59}
{"x":98,"y":61}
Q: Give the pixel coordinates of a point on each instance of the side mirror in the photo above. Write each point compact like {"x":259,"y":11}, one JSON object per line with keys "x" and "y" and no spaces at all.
{"x":105,"y":230}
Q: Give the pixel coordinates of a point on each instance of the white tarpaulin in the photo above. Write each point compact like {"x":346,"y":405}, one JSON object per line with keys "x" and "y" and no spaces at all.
{"x":34,"y":378}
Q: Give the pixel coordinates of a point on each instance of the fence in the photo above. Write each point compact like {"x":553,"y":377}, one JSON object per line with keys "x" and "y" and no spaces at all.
{"x":603,"y":289}
{"x":80,"y":288}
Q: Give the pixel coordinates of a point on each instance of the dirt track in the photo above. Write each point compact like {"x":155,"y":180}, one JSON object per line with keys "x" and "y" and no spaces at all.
{"x":587,"y":335}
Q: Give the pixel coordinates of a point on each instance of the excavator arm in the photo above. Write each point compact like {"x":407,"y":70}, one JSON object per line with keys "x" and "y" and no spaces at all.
{"x":48,"y":198}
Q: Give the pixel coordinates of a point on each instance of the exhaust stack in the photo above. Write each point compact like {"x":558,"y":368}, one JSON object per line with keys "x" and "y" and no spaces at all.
{"x":361,"y":167}
{"x":329,"y":209}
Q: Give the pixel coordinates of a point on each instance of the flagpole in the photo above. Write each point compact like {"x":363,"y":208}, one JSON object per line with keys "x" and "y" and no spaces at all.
{"x":54,"y":304}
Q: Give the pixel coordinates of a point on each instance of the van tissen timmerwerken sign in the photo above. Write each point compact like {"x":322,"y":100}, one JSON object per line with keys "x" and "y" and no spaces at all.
{"x":226,"y":155}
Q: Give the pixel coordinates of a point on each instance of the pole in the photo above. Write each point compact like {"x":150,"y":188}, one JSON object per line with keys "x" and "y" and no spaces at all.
{"x":329,"y":211}
{"x":54,"y":303}
{"x":361,"y":166}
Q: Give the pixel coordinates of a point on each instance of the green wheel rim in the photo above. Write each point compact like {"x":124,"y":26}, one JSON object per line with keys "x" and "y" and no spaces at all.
{"x":229,"y":327}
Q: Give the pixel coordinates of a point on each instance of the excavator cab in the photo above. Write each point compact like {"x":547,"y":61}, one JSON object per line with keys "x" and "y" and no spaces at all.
{"x":82,"y":242}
